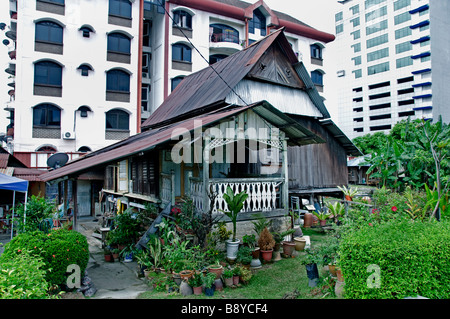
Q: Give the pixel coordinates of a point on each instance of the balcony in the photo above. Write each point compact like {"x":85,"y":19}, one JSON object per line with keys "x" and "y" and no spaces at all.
{"x":225,"y":42}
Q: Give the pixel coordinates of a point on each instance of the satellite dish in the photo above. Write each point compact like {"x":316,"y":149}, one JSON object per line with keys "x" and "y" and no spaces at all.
{"x":5,"y":42}
{"x":57,"y":160}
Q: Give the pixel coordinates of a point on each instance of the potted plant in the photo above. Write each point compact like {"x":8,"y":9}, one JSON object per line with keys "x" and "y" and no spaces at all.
{"x":288,"y":245}
{"x":127,"y":253}
{"x":322,"y":217}
{"x":236,"y":274}
{"x":336,"y":210}
{"x":244,"y":255}
{"x":245,"y":275}
{"x":300,"y":243}
{"x":228,"y":277}
{"x":266,"y":244}
{"x":349,"y":193}
{"x":115,"y":253}
{"x":235,"y":204}
{"x":311,"y":259}
{"x":216,"y":269}
{"x":208,"y":281}
{"x":107,"y":254}
{"x":196,"y":283}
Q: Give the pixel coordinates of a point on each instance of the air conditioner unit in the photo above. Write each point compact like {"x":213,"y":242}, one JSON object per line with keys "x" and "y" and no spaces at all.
{"x":69,"y":135}
{"x":144,"y":74}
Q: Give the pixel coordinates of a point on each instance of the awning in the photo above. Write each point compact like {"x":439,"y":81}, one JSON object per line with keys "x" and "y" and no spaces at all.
{"x":13,"y":183}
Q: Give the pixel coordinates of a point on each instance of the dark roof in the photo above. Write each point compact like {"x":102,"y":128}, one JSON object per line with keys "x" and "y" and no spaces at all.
{"x":206,"y":89}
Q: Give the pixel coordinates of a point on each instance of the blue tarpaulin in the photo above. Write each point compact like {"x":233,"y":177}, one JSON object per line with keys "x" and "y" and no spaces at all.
{"x":13,"y":183}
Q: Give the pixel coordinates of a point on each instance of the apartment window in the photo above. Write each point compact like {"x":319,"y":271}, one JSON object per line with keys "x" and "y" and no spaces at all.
{"x":407,"y":113}
{"x":376,"y":13}
{"x":357,"y":73}
{"x":382,"y":25}
{"x":144,"y":96}
{"x":380,"y":117}
{"x":258,"y":22}
{"x":400,"y":4}
{"x":356,"y":47}
{"x":380,"y":127}
{"x":403,"y":32}
{"x":47,"y":31}
{"x":379,"y":96}
{"x":377,"y":41}
{"x":182,"y":19}
{"x":358,"y":129}
{"x":358,"y":119}
{"x":175,"y":81}
{"x":401,"y":18}
{"x":425,"y":27}
{"x":181,"y":52}
{"x":402,"y":62}
{"x":317,"y":77}
{"x":46,"y":116}
{"x":339,"y":28}
{"x":376,"y":55}
{"x":356,"y":22}
{"x":316,"y":51}
{"x":405,"y":91}
{"x":406,"y":102}
{"x":146,"y":33}
{"x":379,"y":68}
{"x":84,"y":149}
{"x":405,"y":80}
{"x":425,"y":43}
{"x":379,"y":85}
{"x":355,"y":9}
{"x":338,"y":16}
{"x":356,"y":34}
{"x":85,"y":68}
{"x":380,"y":106}
{"x":425,"y":58}
{"x":117,"y":120}
{"x":56,"y":1}
{"x":358,"y":89}
{"x":357,"y":60}
{"x":119,"y":43}
{"x":403,"y":47}
{"x":86,"y":31}
{"x":117,"y":81}
{"x":48,"y":73}
{"x":370,"y":3}
{"x":120,"y":8}
{"x":358,"y":109}
{"x":223,"y":33}
{"x":216,"y":58}
{"x":358,"y":99}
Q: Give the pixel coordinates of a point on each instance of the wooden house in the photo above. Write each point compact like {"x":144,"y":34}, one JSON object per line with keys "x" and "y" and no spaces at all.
{"x":247,"y":122}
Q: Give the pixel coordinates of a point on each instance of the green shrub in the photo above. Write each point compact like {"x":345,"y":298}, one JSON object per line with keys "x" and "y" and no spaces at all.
{"x":413,"y":259}
{"x":38,"y":209}
{"x":58,"y":249}
{"x":23,"y":277}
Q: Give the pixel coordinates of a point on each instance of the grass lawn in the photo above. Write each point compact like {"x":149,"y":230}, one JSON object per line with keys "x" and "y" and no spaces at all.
{"x":275,"y":280}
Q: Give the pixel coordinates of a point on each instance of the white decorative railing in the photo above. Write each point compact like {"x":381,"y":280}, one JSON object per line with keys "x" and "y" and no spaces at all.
{"x":264,"y":194}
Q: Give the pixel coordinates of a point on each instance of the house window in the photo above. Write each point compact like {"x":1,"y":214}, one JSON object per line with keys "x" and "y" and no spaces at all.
{"x":85,"y":68}
{"x":86,"y":31}
{"x":316,"y":51}
{"x":56,"y":1}
{"x":175,"y":81}
{"x":46,"y":116}
{"x":119,"y":43}
{"x":258,"y":22}
{"x":181,"y":52}
{"x":118,"y":81}
{"x":144,"y":174}
{"x":84,"y":149}
{"x":47,"y":73}
{"x":317,"y":77}
{"x":182,"y":19}
{"x":117,"y":120}
{"x":120,"y":8}
{"x":47,"y":31}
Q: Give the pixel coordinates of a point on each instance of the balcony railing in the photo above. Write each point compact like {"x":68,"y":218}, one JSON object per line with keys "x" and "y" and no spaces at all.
{"x":264,"y":194}
{"x":224,"y":37}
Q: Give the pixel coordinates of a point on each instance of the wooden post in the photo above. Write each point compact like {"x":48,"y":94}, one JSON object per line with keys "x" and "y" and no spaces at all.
{"x":285,"y":175}
{"x":172,"y":178}
{"x":75,"y":203}
{"x":206,"y":148}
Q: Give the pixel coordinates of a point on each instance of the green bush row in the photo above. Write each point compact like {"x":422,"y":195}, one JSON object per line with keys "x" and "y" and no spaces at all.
{"x":396,"y":259}
{"x":58,"y":249}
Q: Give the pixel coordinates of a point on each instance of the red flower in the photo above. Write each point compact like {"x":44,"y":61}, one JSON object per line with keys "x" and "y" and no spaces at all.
{"x":394,"y":208}
{"x":19,"y":250}
{"x":370,"y":224}
{"x":53,"y":256}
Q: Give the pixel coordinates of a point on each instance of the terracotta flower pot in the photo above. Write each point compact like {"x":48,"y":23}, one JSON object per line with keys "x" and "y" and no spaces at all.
{"x":186,"y":274}
{"x":339,"y":275}
{"x":288,"y":248}
{"x":332,"y":269}
{"x":197,"y":290}
{"x":229,"y":281}
{"x":235,"y":280}
{"x":300,"y":243}
{"x":216,"y":269}
{"x":255,"y":253}
{"x":308,"y":220}
{"x":266,"y":254}
{"x":109,"y":258}
{"x":323,"y":222}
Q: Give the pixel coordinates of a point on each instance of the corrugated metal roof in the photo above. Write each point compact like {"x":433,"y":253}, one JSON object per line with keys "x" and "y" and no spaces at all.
{"x":206,"y":89}
{"x":346,"y":143}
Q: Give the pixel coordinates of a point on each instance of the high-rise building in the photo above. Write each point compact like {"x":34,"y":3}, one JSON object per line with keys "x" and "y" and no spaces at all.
{"x":393,"y":63}
{"x":85,"y":74}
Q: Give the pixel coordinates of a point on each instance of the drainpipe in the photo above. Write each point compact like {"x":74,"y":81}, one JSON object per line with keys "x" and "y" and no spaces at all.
{"x":166,"y":52}
{"x":139,"y":76}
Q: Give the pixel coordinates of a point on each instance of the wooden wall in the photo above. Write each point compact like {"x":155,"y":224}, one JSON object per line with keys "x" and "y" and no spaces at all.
{"x":317,"y":165}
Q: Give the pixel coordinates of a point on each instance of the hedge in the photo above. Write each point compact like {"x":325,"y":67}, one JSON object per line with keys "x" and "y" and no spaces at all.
{"x":413,"y":259}
{"x":58,"y":249}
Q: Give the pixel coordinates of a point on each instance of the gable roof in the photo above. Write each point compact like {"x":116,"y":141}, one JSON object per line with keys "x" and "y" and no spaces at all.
{"x":206,"y":89}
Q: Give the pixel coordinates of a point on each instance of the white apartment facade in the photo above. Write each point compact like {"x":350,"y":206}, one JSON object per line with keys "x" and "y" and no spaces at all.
{"x":394,"y":57}
{"x":85,"y":74}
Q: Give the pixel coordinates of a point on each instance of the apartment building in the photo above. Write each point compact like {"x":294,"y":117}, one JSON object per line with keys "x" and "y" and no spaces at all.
{"x":85,"y":74}
{"x":393,"y":57}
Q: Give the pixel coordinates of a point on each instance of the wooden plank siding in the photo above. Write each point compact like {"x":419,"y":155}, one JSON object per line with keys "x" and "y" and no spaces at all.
{"x":317,"y":165}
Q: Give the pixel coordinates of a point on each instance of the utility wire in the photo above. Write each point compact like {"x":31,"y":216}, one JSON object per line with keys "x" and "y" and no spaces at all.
{"x":201,"y":55}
